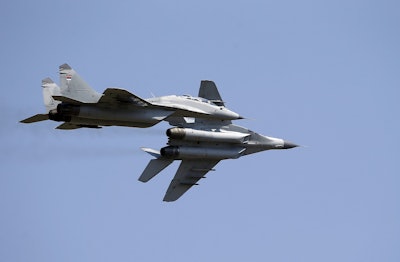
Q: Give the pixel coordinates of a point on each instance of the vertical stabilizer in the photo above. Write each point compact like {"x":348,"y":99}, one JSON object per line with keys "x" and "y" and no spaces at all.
{"x":73,"y":86}
{"x":50,"y":89}
{"x":208,"y":90}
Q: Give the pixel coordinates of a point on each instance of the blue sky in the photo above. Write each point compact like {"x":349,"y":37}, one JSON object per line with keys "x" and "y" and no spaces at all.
{"x":320,"y":73}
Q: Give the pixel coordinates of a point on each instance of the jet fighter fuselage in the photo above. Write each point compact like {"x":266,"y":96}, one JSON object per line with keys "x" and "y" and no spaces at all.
{"x":77,"y":105}
{"x":202,"y":136}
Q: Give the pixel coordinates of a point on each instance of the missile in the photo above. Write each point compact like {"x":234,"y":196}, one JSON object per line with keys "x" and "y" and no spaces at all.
{"x":183,"y":152}
{"x":207,"y":136}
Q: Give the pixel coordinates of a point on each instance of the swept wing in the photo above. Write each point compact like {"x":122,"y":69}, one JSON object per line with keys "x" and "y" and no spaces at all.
{"x":189,"y":173}
{"x":116,"y":96}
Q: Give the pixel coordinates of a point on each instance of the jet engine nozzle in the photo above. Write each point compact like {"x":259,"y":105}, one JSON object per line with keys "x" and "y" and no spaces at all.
{"x":55,"y":116}
{"x":176,"y":133}
{"x":68,"y":109}
{"x":170,"y":151}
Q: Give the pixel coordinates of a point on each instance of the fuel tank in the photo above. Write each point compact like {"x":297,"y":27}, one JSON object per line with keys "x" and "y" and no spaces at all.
{"x":207,"y":136}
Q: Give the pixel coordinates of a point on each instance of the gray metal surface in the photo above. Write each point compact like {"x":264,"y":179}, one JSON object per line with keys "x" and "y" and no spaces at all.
{"x":76,"y":103}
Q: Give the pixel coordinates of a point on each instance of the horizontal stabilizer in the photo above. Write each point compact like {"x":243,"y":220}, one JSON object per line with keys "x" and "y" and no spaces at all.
{"x":35,"y":118}
{"x":67,"y":100}
{"x":154,"y":167}
{"x":67,"y":126}
{"x":153,"y":152}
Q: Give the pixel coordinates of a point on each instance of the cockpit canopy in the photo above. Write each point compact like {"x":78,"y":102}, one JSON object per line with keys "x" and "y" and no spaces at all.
{"x":199,"y":99}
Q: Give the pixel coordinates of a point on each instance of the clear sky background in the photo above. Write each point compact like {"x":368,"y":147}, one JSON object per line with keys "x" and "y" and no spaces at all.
{"x":324,"y":74}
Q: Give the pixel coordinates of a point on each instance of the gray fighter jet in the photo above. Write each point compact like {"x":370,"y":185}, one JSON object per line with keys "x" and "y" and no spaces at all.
{"x":200,"y":146}
{"x":77,"y":105}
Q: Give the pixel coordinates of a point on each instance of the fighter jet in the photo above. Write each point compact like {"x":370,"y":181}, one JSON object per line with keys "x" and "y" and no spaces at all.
{"x":200,"y":146}
{"x":77,"y":105}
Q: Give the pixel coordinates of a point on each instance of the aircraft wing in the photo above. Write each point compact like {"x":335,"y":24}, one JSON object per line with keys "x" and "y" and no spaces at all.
{"x":67,"y":100}
{"x":69,"y":126}
{"x":197,"y":122}
{"x":116,"y":96}
{"x":189,"y":173}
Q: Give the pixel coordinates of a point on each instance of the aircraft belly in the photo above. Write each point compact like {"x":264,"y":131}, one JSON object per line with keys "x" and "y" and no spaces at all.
{"x":146,"y":116}
{"x":103,"y":122}
{"x":196,"y":152}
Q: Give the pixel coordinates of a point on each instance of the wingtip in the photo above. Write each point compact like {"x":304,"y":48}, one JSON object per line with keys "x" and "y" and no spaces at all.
{"x":168,"y":199}
{"x":35,"y":118}
{"x":155,"y":153}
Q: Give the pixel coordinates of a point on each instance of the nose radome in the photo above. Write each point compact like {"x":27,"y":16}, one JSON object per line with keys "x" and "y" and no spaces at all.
{"x":231,"y":115}
{"x":288,"y":145}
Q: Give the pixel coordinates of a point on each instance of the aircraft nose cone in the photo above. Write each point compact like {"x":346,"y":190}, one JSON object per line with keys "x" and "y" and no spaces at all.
{"x":232,"y":115}
{"x":288,"y":145}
